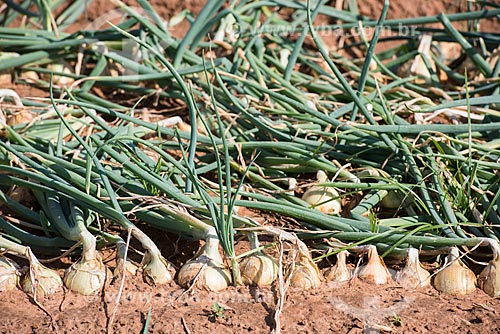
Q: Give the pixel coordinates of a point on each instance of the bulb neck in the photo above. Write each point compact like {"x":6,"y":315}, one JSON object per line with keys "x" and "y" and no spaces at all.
{"x":89,"y":246}
{"x":254,"y":240}
{"x":211,"y":248}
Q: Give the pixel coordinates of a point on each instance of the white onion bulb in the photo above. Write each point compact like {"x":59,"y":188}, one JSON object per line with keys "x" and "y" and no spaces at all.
{"x":324,"y":199}
{"x":413,"y":276}
{"x":47,"y":281}
{"x":455,"y":278}
{"x":156,"y":271}
{"x":86,"y":277}
{"x":489,"y":278}
{"x":306,"y":274}
{"x":374,"y":271}
{"x":258,"y":269}
{"x":206,"y":271}
{"x":9,"y":274}
{"x":339,"y":272}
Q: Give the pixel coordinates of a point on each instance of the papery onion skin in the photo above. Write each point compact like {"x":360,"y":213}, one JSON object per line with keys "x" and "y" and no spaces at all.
{"x":9,"y":274}
{"x":339,"y":272}
{"x":413,"y":276}
{"x":123,"y":265}
{"x":205,"y":273}
{"x":258,"y":269}
{"x":328,"y":197}
{"x":374,"y":271}
{"x":305,"y":277}
{"x":129,"y":268}
{"x":156,"y":272}
{"x":48,"y":281}
{"x":489,"y":279}
{"x":86,"y":277}
{"x":306,"y":274}
{"x":455,"y":278}
{"x":324,"y":199}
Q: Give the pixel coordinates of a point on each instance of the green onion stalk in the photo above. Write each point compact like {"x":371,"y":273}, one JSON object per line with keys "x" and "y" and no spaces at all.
{"x":39,"y":280}
{"x":162,"y":217}
{"x":155,"y":268}
{"x":123,"y":265}
{"x":58,"y":244}
{"x":289,"y":117}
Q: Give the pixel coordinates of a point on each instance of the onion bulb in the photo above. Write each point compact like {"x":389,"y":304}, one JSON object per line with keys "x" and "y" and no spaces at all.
{"x":374,"y":271}
{"x":393,"y":200}
{"x":156,"y":271}
{"x":60,"y":68}
{"x":306,"y":274}
{"x":46,"y":281}
{"x":419,"y":66}
{"x":339,"y":272}
{"x":122,"y":263}
{"x":87,"y":275}
{"x":413,"y":276}
{"x":489,"y":278}
{"x":129,"y":268}
{"x":258,"y":269}
{"x":324,"y":199}
{"x":368,"y":172}
{"x":40,"y":279}
{"x":205,"y":274}
{"x":455,"y":278}
{"x":9,"y":274}
{"x":206,"y":271}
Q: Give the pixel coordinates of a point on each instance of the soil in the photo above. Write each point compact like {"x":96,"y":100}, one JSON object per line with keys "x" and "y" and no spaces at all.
{"x":352,"y":307}
{"x":355,"y":307}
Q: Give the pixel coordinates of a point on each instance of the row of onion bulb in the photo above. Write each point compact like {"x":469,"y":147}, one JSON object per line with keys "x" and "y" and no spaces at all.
{"x":207,"y":271}
{"x":453,"y":278}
